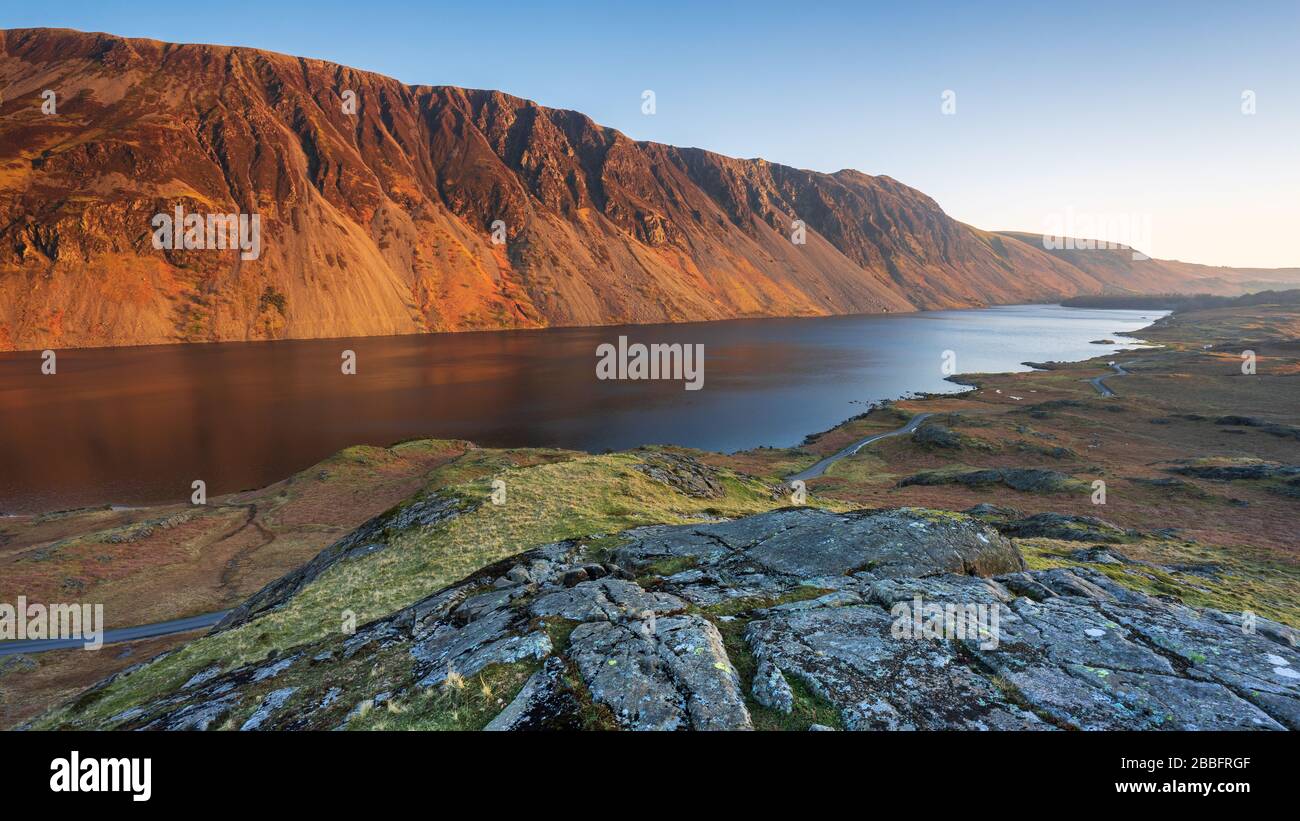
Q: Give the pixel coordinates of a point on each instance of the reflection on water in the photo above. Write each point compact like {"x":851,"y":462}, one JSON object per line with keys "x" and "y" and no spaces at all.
{"x":136,"y":425}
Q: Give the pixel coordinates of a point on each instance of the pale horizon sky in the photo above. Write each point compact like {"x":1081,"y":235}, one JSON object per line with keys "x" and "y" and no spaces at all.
{"x":1103,"y":111}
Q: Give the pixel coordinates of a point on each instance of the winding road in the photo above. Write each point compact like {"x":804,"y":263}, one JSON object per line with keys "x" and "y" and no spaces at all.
{"x":1099,"y":384}
{"x":820,"y":468}
{"x":143,"y":631}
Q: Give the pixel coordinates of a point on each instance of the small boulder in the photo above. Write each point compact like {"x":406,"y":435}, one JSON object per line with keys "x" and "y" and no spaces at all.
{"x":771,"y":689}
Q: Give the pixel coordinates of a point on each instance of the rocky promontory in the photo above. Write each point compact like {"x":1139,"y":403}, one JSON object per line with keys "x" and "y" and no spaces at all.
{"x":796,"y":618}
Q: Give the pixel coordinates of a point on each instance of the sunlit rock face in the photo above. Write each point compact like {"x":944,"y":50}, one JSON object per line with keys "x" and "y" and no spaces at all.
{"x":386,"y":208}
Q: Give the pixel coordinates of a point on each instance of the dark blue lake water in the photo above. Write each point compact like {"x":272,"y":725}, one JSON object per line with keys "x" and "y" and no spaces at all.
{"x":137,"y":425}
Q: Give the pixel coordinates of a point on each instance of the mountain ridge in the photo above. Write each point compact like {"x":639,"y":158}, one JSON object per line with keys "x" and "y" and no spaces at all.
{"x":380,"y":222}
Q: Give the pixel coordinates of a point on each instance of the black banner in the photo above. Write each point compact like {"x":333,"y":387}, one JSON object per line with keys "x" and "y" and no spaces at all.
{"x":333,"y":770}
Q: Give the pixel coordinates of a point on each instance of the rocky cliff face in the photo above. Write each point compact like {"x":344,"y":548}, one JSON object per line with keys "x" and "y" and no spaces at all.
{"x":378,"y":219}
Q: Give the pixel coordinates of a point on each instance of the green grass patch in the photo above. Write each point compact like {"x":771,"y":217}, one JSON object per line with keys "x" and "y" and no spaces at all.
{"x":669,"y":566}
{"x":459,"y":703}
{"x":746,"y":604}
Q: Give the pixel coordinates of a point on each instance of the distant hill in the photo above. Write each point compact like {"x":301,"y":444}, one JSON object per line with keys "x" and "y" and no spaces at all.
{"x":1117,"y":267}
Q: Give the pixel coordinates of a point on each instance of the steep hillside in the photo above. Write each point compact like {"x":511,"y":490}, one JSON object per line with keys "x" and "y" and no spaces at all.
{"x":380,"y":221}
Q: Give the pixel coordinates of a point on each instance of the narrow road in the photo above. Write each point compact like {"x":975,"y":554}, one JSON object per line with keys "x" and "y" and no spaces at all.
{"x":1098,"y":383}
{"x":144,"y":631}
{"x":820,"y":468}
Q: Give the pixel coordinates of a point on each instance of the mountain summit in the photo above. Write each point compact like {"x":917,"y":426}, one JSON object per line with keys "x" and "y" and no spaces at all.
{"x":387,"y":208}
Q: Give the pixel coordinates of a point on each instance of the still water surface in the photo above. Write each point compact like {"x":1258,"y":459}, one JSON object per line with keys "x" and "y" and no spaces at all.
{"x":138,"y":425}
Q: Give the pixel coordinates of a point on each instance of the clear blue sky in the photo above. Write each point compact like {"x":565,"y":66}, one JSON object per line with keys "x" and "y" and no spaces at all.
{"x":1100,"y":108}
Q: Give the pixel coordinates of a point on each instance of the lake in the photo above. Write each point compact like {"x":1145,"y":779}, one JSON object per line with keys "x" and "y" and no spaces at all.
{"x":138,"y":425}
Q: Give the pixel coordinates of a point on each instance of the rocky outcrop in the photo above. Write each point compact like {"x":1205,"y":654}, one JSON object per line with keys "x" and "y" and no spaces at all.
{"x":935,"y":435}
{"x":1027,"y":480}
{"x":891,"y":619}
{"x":1063,"y":526}
{"x":1274,"y":428}
{"x":682,"y":473}
{"x":769,"y":553}
{"x":1239,"y":472}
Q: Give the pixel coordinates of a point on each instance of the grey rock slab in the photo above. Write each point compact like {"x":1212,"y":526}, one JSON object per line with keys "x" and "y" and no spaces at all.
{"x":807,"y":543}
{"x":274,"y":669}
{"x":475,"y":607}
{"x":497,"y":638}
{"x":739,"y":534}
{"x":945,"y":588}
{"x":202,"y":677}
{"x":1284,"y":709}
{"x":623,"y":671}
{"x":1074,"y":631}
{"x":198,"y":716}
{"x":519,"y":575}
{"x":694,"y":651}
{"x":709,"y":543}
{"x":127,"y":715}
{"x":1066,"y":700}
{"x":1172,"y":703}
{"x":1253,"y":666}
{"x":676,"y":677}
{"x":330,"y":698}
{"x":271,"y":702}
{"x":536,"y":645}
{"x":654,"y":544}
{"x":706,"y":595}
{"x":1097,"y":664}
{"x":425,"y":614}
{"x":606,"y":599}
{"x":693,"y":576}
{"x":1113,"y":589}
{"x":849,"y":656}
{"x":1025,"y":584}
{"x":1253,"y":623}
{"x":1054,"y":654}
{"x":1065,"y":527}
{"x":1064,"y":582}
{"x":543,"y":703}
{"x":771,"y":689}
{"x":888,"y":544}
